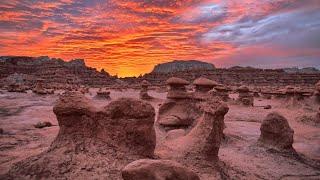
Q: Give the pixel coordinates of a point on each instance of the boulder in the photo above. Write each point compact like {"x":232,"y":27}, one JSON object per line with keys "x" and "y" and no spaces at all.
{"x":147,"y":169}
{"x":276,"y":132}
{"x":44,"y":124}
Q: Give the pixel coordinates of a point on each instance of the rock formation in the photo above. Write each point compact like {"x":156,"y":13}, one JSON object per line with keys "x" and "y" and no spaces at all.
{"x":39,"y":89}
{"x":202,"y":87}
{"x":92,"y":143}
{"x":237,"y":76}
{"x":245,"y":97}
{"x":177,"y":88}
{"x":146,"y":169}
{"x":54,"y":71}
{"x":144,"y":90}
{"x":198,"y":131}
{"x":176,"y":66}
{"x":196,"y":125}
{"x":276,"y":133}
{"x":222,"y":92}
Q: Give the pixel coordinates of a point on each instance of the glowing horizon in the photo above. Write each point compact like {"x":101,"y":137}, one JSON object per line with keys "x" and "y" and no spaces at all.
{"x":129,"y":38}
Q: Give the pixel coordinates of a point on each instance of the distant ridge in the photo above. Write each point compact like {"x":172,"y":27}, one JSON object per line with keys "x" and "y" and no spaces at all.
{"x":53,"y":70}
{"x":178,"y":65}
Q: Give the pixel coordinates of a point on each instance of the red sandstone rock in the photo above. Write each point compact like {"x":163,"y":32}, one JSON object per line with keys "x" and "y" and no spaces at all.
{"x":245,"y":97}
{"x":177,"y":88}
{"x":147,"y":169}
{"x":276,"y":132}
{"x":203,"y":123}
{"x":92,"y":144}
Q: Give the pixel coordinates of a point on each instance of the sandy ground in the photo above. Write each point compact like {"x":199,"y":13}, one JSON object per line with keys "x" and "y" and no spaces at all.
{"x":244,"y":160}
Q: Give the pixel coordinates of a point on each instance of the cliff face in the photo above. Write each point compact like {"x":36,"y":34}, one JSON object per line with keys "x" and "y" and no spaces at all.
{"x":53,"y":70}
{"x":176,"y":66}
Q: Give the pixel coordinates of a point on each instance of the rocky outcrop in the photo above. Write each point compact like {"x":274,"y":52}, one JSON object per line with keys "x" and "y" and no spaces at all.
{"x":176,"y":66}
{"x":92,"y":143}
{"x":307,"y":70}
{"x":195,"y":124}
{"x":276,"y":133}
{"x":147,"y":169}
{"x":238,"y":76}
{"x":55,"y":72}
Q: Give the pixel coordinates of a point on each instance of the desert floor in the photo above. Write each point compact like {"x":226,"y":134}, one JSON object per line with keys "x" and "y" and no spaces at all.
{"x":242,"y":157}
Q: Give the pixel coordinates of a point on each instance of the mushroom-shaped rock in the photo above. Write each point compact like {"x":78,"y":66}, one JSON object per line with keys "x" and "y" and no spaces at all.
{"x":202,"y":87}
{"x":222,"y":92}
{"x":242,"y":89}
{"x":147,"y":169}
{"x":176,"y":81}
{"x":276,"y":132}
{"x":93,"y":143}
{"x":177,"y":88}
{"x":245,"y":97}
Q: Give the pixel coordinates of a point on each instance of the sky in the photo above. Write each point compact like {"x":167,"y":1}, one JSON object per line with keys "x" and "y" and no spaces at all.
{"x":128,"y":38}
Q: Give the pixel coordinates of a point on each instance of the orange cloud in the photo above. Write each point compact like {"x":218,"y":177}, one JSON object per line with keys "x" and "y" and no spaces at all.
{"x":124,"y":37}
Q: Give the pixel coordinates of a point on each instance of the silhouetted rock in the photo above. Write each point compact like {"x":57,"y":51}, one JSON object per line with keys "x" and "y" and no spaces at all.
{"x":176,"y":66}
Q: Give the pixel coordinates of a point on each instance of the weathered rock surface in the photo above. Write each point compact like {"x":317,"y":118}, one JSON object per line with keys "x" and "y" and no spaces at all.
{"x":203,"y":123}
{"x":276,"y":132}
{"x":55,"y":72}
{"x":177,"y":88}
{"x":147,"y":169}
{"x":91,"y":143}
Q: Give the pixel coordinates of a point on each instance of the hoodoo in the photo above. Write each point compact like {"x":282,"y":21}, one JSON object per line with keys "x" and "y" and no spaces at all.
{"x":93,"y":143}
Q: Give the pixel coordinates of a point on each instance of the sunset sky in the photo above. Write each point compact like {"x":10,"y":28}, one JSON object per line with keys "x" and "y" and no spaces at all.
{"x":130,"y":37}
